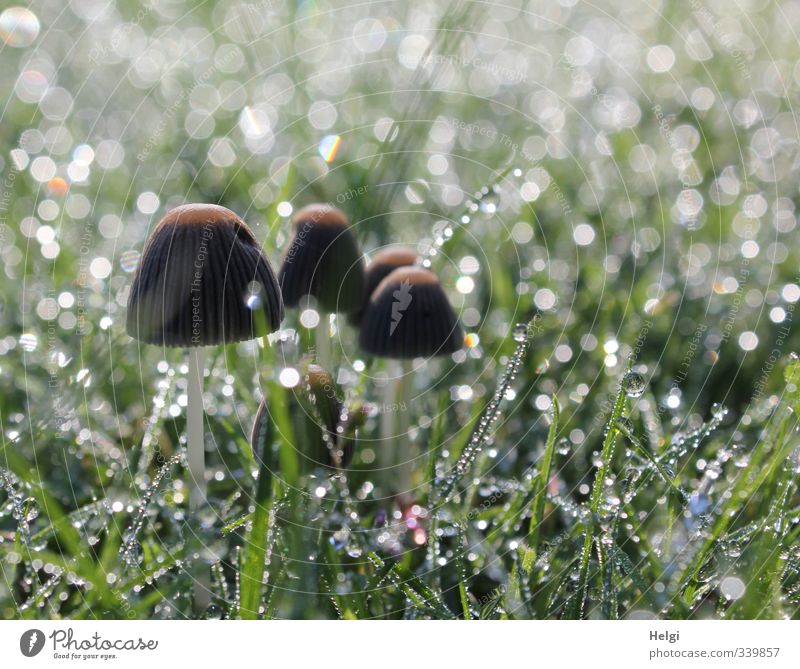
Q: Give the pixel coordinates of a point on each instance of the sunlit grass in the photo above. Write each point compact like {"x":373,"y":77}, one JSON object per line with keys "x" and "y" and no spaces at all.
{"x":610,"y":206}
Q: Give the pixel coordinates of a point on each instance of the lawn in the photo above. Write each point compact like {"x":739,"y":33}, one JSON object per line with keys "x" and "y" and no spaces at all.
{"x":604,"y":195}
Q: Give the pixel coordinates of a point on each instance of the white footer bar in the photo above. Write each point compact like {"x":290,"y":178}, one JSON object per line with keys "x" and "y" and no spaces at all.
{"x":400,"y":644}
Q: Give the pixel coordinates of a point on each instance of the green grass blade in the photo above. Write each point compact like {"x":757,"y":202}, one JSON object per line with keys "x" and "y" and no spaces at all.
{"x":255,"y":550}
{"x":541,"y":481}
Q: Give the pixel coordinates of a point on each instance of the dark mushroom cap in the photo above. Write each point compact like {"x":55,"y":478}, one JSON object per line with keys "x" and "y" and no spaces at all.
{"x":408,"y":316}
{"x":321,"y":425}
{"x":382,"y":264}
{"x":323,"y":260}
{"x":199,"y":269}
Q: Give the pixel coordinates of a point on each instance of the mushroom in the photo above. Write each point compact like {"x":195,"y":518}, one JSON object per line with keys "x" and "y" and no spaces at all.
{"x":408,"y":316}
{"x":323,"y":428}
{"x":202,"y":280}
{"x":323,"y":261}
{"x":383,"y":263}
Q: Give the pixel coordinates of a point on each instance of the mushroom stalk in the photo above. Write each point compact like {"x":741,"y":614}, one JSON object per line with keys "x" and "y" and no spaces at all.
{"x":194,"y":429}
{"x":322,"y":335}
{"x":386,"y":453}
{"x":196,"y":457}
{"x":405,"y":454}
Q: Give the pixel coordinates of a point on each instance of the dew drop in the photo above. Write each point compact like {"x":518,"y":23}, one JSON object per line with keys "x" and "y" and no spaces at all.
{"x":213,"y":612}
{"x":633,"y":384}
{"x":28,"y":509}
{"x":133,"y":554}
{"x":624,"y":424}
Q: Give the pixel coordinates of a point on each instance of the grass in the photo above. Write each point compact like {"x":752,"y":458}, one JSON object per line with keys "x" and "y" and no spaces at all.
{"x":617,"y":440}
{"x":497,"y":547}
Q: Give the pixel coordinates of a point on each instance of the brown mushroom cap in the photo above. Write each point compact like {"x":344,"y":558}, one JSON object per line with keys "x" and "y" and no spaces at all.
{"x":323,"y":260}
{"x":202,"y":280}
{"x":322,"y":214}
{"x":394,"y":256}
{"x":409,"y":316}
{"x":383,"y":263}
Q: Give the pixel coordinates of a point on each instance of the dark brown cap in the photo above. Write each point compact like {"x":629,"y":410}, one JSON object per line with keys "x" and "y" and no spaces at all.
{"x":323,"y":260}
{"x":408,"y":316}
{"x":383,"y":263}
{"x":323,"y":429}
{"x":202,"y":280}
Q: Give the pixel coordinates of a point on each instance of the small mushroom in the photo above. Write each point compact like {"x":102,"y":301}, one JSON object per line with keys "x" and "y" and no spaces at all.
{"x":324,"y":430}
{"x":408,"y":316}
{"x":383,"y":263}
{"x":202,"y":281}
{"x":323,"y":261}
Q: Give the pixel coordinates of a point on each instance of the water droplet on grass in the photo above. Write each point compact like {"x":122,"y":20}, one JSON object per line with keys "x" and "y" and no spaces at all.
{"x":27,"y":510}
{"x":624,"y":424}
{"x":633,"y":384}
{"x":213,"y":612}
{"x":133,"y":554}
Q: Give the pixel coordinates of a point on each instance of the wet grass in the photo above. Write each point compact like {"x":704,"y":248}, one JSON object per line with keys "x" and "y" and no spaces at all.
{"x":618,"y":437}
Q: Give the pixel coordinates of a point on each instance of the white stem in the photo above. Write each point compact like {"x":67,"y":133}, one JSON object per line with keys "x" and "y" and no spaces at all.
{"x":387,"y":445}
{"x":194,"y":429}
{"x":196,"y":457}
{"x":406,"y":453}
{"x":323,"y":341}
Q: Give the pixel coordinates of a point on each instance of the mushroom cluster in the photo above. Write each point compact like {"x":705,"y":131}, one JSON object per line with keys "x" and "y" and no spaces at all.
{"x":401,"y":310}
{"x":204,"y":281}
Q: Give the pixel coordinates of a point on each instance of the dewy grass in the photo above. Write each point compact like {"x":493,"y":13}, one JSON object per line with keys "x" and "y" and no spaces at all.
{"x":610,"y":579}
{"x":541,"y":480}
{"x":591,"y":533}
{"x":623,"y":211}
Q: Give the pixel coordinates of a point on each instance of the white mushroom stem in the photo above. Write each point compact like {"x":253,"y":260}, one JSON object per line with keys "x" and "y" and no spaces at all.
{"x":387,"y":446}
{"x":322,"y":342}
{"x":404,"y":449}
{"x":196,"y":457}
{"x":194,"y":429}
{"x":396,"y":454}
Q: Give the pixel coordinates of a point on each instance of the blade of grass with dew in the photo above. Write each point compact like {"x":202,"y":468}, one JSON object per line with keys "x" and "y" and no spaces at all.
{"x":541,"y":481}
{"x":627,"y":567}
{"x":576,"y":607}
{"x":461,"y":572}
{"x":489,"y":415}
{"x":608,"y":594}
{"x":761,"y":597}
{"x":376,"y":605}
{"x":417,"y":592}
{"x":772,"y":442}
{"x":649,"y":561}
{"x":436,"y":442}
{"x":518,"y":595}
{"x":67,"y":538}
{"x":490,"y":608}
{"x":29,"y":609}
{"x":255,"y":550}
{"x":680,"y":494}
